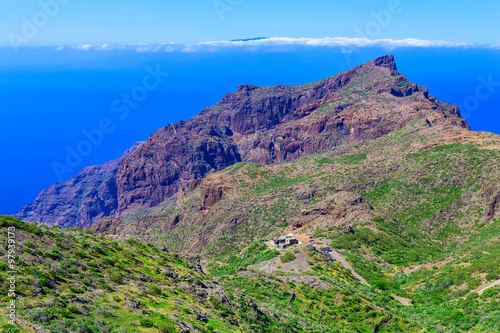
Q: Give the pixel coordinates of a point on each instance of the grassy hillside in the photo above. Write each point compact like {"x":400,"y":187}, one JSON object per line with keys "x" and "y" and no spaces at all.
{"x":72,"y":280}
{"x":416,"y":213}
{"x":423,"y":211}
{"x":76,"y":281}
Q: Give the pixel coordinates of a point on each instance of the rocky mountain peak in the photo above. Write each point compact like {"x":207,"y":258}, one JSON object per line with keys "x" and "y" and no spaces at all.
{"x":264,"y":125}
{"x":387,"y":61}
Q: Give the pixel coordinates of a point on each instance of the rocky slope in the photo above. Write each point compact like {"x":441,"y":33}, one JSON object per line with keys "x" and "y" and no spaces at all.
{"x":255,"y":124}
{"x":81,"y":201}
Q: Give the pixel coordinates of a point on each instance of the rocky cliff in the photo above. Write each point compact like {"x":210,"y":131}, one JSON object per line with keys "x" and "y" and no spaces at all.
{"x":81,"y":201}
{"x":254,"y":124}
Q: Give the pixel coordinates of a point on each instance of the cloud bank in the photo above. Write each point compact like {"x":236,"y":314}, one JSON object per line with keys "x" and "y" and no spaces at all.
{"x":345,"y":44}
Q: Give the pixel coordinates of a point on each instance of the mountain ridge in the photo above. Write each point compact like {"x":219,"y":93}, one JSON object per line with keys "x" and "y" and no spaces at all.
{"x":254,"y":124}
{"x":394,"y":198}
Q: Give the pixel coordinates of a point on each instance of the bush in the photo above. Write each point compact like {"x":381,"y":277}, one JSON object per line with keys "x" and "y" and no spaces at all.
{"x":146,"y":323}
{"x":8,"y":328}
{"x":491,"y":276}
{"x":167,"y":329}
{"x":75,"y":290}
{"x":55,"y":254}
{"x":90,"y":326}
{"x":41,"y":315}
{"x":381,"y":284}
{"x":73,"y":309}
{"x":117,"y":278}
{"x":287,"y":257}
{"x":154,"y":290}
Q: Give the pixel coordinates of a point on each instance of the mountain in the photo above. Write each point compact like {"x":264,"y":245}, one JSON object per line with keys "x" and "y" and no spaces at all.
{"x":80,"y":201}
{"x":395,"y":202}
{"x":255,"y":124}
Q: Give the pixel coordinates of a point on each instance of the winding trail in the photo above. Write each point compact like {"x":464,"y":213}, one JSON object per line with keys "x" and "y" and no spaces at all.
{"x":404,"y":301}
{"x":340,"y":258}
{"x":337,"y":256}
{"x":491,"y":285}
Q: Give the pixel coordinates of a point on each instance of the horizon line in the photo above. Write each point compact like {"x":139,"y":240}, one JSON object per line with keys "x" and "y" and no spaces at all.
{"x":347,"y":44}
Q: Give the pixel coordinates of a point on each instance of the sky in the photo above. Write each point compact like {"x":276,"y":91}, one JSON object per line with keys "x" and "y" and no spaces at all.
{"x":63,"y":63}
{"x":125,"y":21}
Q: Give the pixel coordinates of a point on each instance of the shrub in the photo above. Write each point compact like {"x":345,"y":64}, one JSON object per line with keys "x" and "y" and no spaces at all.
{"x":98,"y":249}
{"x":89,"y":231}
{"x":75,"y":290}
{"x":491,"y":276}
{"x":381,"y":284}
{"x":55,"y":254}
{"x":146,"y":322}
{"x":154,"y":290}
{"x":287,"y":257}
{"x":41,"y":315}
{"x":8,"y":328}
{"x":108,"y":261}
{"x":73,"y":309}
{"x":116,"y":278}
{"x":44,"y":282}
{"x":90,"y":326}
{"x":167,"y":329}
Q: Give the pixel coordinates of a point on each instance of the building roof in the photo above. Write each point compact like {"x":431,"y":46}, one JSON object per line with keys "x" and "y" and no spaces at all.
{"x":302,"y":238}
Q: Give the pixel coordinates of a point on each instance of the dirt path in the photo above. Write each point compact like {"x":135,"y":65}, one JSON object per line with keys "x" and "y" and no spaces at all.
{"x":491,"y":285}
{"x":430,"y":265}
{"x":337,"y":256}
{"x":299,"y":264}
{"x":404,"y":301}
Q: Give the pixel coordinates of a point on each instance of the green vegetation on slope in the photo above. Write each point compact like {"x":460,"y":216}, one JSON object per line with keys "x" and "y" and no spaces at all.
{"x":256,"y":253}
{"x":72,"y":280}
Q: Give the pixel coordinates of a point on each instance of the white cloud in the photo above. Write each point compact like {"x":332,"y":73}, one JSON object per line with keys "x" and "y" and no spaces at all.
{"x":495,"y":46}
{"x":346,"y":44}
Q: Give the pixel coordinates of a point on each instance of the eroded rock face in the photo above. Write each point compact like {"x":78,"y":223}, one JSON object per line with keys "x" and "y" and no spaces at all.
{"x":171,"y":159}
{"x":254,"y":124}
{"x":340,"y":208}
{"x":81,"y":201}
{"x":108,"y":226}
{"x":193,"y":262}
{"x":211,"y":192}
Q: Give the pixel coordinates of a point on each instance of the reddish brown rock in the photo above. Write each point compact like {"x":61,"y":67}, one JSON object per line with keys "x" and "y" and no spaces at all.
{"x":81,"y":201}
{"x":211,"y":193}
{"x":108,"y":225}
{"x":254,"y":124}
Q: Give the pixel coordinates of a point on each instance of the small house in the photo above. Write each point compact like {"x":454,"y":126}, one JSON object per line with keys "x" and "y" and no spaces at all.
{"x":280,"y":240}
{"x":303,"y":239}
{"x":283,"y":246}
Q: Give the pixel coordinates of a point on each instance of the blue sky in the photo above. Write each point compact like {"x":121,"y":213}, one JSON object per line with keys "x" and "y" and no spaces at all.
{"x":125,"y":21}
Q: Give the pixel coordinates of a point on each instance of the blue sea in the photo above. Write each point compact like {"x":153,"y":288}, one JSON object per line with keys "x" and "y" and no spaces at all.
{"x":49,"y":99}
